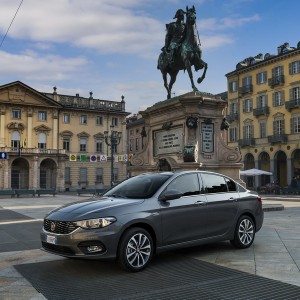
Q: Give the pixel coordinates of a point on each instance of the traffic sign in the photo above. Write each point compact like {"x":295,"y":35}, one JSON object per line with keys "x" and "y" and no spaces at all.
{"x":3,"y":155}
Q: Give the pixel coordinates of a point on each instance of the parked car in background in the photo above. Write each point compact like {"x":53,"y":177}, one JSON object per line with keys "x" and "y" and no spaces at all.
{"x":154,"y":212}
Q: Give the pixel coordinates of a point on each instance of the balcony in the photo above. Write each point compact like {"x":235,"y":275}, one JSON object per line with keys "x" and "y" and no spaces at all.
{"x":232,"y":117}
{"x":247,"y":142}
{"x":289,"y":105}
{"x":277,"y":80}
{"x":246,"y":89}
{"x":278,"y":138}
{"x":261,"y":111}
{"x":36,"y":151}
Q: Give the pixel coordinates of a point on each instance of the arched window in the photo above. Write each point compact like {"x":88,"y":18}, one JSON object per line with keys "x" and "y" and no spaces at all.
{"x":42,"y":140}
{"x":15,"y":139}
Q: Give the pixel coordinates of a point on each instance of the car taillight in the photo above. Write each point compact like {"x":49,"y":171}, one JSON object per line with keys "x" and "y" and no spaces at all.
{"x":259,"y":199}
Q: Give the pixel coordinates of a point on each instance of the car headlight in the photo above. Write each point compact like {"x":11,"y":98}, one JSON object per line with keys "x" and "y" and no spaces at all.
{"x":95,"y":223}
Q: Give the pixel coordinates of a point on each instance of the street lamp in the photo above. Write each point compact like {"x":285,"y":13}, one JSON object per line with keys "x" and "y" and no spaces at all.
{"x":112,"y":140}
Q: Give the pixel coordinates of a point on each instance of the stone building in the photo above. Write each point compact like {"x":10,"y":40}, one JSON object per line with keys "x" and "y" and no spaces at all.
{"x":264,"y":111}
{"x":58,"y":141}
{"x":183,"y":133}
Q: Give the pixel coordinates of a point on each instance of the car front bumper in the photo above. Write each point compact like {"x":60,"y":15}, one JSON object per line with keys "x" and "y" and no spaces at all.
{"x":75,"y":244}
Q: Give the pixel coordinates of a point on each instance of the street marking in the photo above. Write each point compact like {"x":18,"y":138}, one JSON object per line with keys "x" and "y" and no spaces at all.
{"x":21,"y":221}
{"x":28,"y":206}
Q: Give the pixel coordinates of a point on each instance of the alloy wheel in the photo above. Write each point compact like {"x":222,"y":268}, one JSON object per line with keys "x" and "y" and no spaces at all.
{"x":138,"y":250}
{"x":246,"y":232}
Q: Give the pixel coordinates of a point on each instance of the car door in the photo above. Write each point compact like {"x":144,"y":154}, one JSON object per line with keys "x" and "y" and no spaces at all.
{"x":183,"y":218}
{"x":222,"y":204}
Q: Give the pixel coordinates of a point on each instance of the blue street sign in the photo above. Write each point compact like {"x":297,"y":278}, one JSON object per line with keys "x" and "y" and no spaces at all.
{"x":3,"y":155}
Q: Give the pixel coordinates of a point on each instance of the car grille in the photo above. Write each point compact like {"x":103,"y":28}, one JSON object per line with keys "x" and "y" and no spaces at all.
{"x":60,"y":227}
{"x":57,"y":248}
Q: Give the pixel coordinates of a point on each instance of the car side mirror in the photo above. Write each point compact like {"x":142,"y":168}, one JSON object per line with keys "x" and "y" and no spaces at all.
{"x":170,"y":195}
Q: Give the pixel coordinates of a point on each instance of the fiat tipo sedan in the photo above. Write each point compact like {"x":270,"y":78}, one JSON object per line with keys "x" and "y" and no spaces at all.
{"x":154,"y":212}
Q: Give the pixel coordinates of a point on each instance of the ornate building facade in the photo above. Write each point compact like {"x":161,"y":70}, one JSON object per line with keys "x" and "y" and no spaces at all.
{"x":264,"y":112}
{"x":58,"y":141}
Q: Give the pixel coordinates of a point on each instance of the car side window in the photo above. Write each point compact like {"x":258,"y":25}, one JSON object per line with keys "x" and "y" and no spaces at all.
{"x":231,"y":185}
{"x":187,"y":184}
{"x":214,"y":183}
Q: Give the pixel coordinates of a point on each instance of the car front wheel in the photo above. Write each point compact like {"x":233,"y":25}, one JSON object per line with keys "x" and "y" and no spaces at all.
{"x":244,"y":233}
{"x":135,"y":250}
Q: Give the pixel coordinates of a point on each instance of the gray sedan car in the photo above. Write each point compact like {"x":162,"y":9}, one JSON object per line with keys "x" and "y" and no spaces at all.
{"x":153,"y":212}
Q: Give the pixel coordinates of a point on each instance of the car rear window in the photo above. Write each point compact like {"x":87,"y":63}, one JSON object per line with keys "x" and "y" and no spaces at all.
{"x":139,"y":187}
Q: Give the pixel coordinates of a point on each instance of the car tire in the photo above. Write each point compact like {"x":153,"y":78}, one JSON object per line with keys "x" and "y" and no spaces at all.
{"x":244,"y":233}
{"x":135,"y":249}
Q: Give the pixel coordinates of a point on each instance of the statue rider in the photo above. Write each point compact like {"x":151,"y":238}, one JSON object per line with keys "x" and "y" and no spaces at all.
{"x":174,"y":36}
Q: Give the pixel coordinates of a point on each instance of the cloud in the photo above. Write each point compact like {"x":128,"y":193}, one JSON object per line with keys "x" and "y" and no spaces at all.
{"x":107,"y":26}
{"x":32,"y":66}
{"x":212,"y":24}
{"x":215,"y":41}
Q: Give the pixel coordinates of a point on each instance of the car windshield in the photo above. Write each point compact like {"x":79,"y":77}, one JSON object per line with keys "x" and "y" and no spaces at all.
{"x":139,"y":187}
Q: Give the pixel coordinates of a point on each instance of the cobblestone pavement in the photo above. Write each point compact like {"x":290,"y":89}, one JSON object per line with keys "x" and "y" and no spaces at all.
{"x":275,"y":253}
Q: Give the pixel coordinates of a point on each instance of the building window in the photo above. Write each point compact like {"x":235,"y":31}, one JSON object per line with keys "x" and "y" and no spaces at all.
{"x":296,"y":124}
{"x":66,"y":144}
{"x":295,"y":93}
{"x":99,"y":120}
{"x":83,"y":175}
{"x":262,"y":101}
{"x":16,"y":113}
{"x":116,"y":175}
{"x":42,"y":116}
{"x":278,"y":99}
{"x":83,"y":145}
{"x":15,"y":139}
{"x":131,"y":145}
{"x":233,"y":108}
{"x":262,"y":129}
{"x":66,"y":118}
{"x":83,"y":119}
{"x":42,"y":140}
{"x":294,"y":67}
{"x":99,"y":175}
{"x":261,"y":77}
{"x":247,"y":105}
{"x":67,"y":175}
{"x":114,"y":148}
{"x":248,"y":131}
{"x":232,"y":134}
{"x":247,"y":81}
{"x":232,"y":86}
{"x":114,"y":121}
{"x":99,"y":146}
{"x":278,"y":127}
{"x":278,"y":71}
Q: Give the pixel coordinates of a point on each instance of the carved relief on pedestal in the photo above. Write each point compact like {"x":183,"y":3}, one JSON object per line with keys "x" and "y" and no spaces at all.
{"x":228,"y":154}
{"x":137,"y":160}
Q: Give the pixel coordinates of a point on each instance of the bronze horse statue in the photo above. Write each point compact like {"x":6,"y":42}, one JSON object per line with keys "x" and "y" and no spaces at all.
{"x":188,"y":55}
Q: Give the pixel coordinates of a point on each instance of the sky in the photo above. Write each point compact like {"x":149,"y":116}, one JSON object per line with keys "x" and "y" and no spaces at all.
{"x":110,"y":47}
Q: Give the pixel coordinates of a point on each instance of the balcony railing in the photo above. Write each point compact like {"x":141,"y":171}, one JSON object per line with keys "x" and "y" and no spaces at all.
{"x":232,"y":117}
{"x":292,"y":104}
{"x":12,"y":150}
{"x":247,"y":142}
{"x":278,"y":138}
{"x":261,"y":111}
{"x":245,"y":89}
{"x":277,"y":80}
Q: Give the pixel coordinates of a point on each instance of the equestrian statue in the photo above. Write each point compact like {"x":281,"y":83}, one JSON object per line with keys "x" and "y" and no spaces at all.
{"x":181,"y":50}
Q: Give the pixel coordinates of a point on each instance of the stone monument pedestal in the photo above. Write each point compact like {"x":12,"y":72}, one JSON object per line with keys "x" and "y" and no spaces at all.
{"x":184,"y":133}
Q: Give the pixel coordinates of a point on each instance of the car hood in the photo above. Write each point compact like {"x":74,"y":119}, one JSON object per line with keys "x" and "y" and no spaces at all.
{"x":102,"y":207}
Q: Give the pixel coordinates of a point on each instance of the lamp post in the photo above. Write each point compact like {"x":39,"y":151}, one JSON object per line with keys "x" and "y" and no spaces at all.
{"x":112,"y":140}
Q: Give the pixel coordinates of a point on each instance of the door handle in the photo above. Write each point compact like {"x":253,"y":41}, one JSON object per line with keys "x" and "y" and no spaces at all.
{"x":232,"y":199}
{"x":200,"y":202}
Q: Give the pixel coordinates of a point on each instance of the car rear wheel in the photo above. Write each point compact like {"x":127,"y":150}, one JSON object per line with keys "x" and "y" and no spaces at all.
{"x":135,"y":250}
{"x":244,"y":233}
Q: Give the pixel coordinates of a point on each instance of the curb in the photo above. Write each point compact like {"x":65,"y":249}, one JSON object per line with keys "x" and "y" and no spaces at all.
{"x":272,"y":207}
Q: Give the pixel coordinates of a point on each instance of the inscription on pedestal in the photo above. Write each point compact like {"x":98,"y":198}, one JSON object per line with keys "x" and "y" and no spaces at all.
{"x":168,"y":141}
{"x":207,"y":131}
